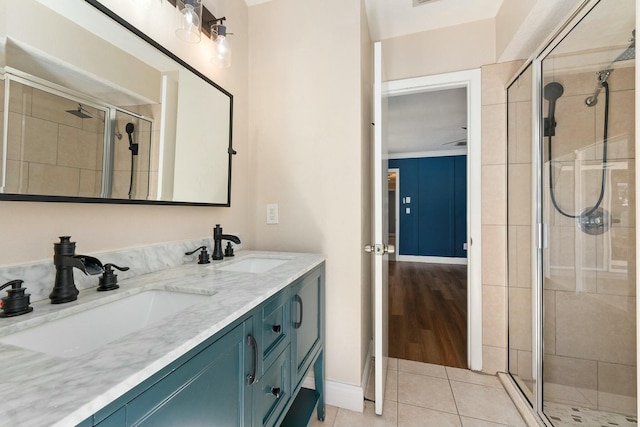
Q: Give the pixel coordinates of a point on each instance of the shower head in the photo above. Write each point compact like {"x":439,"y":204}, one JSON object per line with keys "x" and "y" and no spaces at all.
{"x":80,"y":112}
{"x":129,"y":128}
{"x":630,"y":52}
{"x":552,"y":91}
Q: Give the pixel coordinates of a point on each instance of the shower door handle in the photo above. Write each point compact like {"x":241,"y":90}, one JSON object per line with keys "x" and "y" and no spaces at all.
{"x":542,"y":236}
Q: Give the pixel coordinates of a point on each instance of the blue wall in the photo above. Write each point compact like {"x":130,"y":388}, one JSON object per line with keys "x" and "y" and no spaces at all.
{"x":437,"y":222}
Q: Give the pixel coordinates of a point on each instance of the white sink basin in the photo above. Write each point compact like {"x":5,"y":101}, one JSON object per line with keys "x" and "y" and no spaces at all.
{"x":254,"y":265}
{"x":88,"y":330}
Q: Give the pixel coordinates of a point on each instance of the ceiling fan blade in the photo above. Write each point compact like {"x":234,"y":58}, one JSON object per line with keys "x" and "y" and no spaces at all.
{"x":462,"y":141}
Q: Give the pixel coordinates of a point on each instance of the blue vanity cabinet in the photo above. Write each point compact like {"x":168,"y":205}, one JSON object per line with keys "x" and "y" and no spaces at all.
{"x":307,"y":346}
{"x":279,"y":342}
{"x":208,"y":389}
{"x":273,"y":329}
{"x":273,"y":391}
{"x":307,"y":327}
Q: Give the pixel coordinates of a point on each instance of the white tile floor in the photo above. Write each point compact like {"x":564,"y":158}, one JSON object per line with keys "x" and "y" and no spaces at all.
{"x":425,"y":395}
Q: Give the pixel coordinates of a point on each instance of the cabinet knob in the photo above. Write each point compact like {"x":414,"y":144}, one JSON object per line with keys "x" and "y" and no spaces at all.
{"x":276,"y":328}
{"x":276,"y":391}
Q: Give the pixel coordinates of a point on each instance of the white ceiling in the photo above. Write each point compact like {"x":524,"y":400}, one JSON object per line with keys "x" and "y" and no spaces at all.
{"x":427,"y":121}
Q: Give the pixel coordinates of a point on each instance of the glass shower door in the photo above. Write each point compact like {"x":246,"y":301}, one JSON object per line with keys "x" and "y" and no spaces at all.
{"x":588,"y":177}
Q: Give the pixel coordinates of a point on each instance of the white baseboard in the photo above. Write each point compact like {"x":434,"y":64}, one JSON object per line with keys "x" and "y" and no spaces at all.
{"x":341,"y":395}
{"x":432,"y":259}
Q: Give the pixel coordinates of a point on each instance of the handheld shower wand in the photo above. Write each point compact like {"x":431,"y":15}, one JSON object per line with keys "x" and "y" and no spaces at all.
{"x":551,"y":93}
{"x":589,"y":216}
{"x":133,"y":147}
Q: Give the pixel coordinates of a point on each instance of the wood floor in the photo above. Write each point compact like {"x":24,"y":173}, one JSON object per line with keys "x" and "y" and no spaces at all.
{"x":428,"y":313}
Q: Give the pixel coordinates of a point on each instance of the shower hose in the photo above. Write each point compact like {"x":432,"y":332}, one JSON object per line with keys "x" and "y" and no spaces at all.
{"x":605,"y":85}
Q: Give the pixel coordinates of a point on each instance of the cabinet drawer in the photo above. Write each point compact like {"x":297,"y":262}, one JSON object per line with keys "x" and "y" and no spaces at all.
{"x":274,"y":328}
{"x":274,"y":390}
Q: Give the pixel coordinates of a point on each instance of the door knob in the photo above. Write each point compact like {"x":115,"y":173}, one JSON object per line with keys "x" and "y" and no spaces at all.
{"x":380,"y":249}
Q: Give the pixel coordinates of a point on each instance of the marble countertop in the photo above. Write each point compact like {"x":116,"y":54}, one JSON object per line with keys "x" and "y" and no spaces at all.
{"x":39,"y":389}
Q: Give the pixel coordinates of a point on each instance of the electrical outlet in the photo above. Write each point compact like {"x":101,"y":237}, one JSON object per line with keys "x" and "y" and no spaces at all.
{"x":272,"y":213}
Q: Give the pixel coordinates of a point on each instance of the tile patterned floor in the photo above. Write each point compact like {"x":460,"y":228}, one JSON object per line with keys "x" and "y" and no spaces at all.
{"x":563,"y":415}
{"x":425,"y":395}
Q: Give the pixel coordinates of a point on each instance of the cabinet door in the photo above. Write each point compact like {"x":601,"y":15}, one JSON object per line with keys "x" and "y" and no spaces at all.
{"x":306,"y":321}
{"x":208,"y":390}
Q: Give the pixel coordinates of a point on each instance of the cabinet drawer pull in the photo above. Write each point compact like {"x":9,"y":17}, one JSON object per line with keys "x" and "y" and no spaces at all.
{"x":296,"y":325}
{"x":276,"y":391}
{"x":276,"y":328}
{"x":251,"y":378}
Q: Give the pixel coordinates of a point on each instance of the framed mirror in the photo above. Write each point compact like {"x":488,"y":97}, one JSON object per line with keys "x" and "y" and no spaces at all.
{"x":93,"y":110}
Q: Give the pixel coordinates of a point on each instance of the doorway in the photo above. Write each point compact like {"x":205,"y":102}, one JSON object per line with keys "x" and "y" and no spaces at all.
{"x":469,"y":82}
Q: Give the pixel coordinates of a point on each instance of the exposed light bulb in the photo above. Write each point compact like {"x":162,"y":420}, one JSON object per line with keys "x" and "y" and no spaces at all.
{"x":222,"y":55}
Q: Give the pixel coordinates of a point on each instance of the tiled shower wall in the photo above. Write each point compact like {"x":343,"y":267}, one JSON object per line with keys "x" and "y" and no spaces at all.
{"x":589,"y":292}
{"x":49,"y":150}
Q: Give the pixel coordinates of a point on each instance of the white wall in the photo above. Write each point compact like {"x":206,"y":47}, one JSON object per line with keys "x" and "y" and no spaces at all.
{"x":456,"y":48}
{"x":29,"y":230}
{"x":307,"y":153}
{"x":366,"y":69}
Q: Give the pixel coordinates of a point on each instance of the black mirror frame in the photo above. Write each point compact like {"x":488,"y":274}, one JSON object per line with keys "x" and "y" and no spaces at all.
{"x":79,"y":199}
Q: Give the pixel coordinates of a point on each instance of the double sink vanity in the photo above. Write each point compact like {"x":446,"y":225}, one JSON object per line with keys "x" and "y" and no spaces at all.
{"x":177,"y":343}
{"x":222,"y":344}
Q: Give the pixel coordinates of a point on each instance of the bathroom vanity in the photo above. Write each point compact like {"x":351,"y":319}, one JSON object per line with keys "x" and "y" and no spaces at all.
{"x":236,"y":355}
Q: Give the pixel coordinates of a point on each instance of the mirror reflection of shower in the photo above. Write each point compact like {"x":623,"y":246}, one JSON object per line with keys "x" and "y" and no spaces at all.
{"x":131,"y":154}
{"x":133,"y":147}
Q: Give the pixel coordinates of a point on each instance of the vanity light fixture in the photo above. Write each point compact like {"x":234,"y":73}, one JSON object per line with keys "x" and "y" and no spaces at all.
{"x":222,"y":53}
{"x":189,"y":20}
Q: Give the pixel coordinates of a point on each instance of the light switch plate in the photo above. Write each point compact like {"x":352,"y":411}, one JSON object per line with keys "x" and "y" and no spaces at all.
{"x":272,"y":213}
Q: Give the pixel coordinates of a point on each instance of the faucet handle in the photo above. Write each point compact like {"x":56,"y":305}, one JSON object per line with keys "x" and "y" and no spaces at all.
{"x":16,"y":302}
{"x":203,"y":257}
{"x":109,"y":266}
{"x":109,"y":280}
{"x":228,"y":251}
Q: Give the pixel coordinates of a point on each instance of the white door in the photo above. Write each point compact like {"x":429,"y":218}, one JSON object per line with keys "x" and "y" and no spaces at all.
{"x":379,"y":248}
